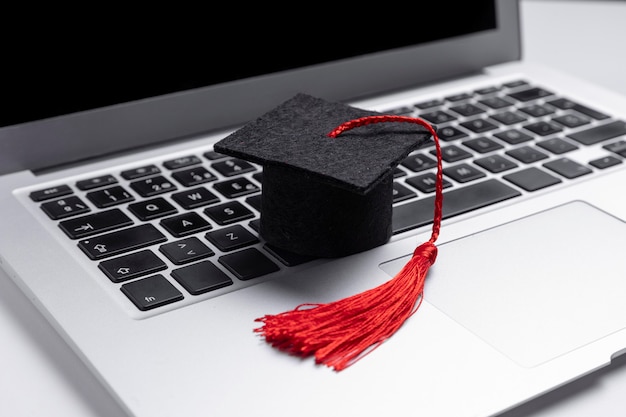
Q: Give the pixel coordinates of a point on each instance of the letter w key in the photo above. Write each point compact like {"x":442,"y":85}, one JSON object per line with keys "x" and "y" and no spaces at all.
{"x":195,"y":197}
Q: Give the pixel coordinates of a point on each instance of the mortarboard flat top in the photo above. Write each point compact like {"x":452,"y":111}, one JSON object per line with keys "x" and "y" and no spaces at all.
{"x":295,"y":135}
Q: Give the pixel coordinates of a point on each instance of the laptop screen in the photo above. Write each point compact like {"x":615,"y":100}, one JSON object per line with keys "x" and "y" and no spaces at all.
{"x":66,"y":76}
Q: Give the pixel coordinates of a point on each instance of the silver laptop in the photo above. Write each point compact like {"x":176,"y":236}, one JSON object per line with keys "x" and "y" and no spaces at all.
{"x":109,"y":212}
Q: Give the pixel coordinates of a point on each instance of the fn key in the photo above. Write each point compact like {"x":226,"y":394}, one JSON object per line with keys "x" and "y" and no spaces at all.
{"x":151,"y":292}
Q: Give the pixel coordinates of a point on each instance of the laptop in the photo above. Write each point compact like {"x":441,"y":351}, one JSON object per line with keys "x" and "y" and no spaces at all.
{"x":104,"y":205}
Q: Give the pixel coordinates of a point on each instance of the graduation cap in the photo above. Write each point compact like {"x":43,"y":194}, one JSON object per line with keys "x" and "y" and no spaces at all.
{"x":327,"y":192}
{"x":324,"y":196}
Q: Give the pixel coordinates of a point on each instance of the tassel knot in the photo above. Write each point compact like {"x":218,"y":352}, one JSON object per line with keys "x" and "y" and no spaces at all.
{"x":341,"y":332}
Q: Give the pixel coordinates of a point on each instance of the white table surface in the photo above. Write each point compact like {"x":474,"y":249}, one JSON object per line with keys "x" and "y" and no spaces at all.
{"x":41,"y":376}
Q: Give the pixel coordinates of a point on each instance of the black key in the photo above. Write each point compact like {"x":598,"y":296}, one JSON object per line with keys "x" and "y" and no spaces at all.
{"x":136,"y":173}
{"x":530,"y":94}
{"x":248,"y":264}
{"x":401,"y":193}
{"x":402,"y":111}
{"x":152,"y":186}
{"x":515,"y":84}
{"x":214,"y":156}
{"x":482,"y":145}
{"x":126,"y":240}
{"x":194,"y":176}
{"x":565,"y":104}
{"x":456,"y":201}
{"x":467,"y":109}
{"x":513,"y":136}
{"x":463,"y":173}
{"x":479,"y":125}
{"x":96,"y":182}
{"x":618,"y":147}
{"x":230,"y":212}
{"x":488,"y":90}
{"x":233,"y":166}
{"x":508,"y":117}
{"x":131,"y":266}
{"x":186,"y":250}
{"x":419,"y":162}
{"x":50,"y":193}
{"x":109,"y":197}
{"x":287,"y":258}
{"x":151,"y":292}
{"x":195,"y":197}
{"x":543,"y":128}
{"x":236,"y":187}
{"x":255,"y":202}
{"x":426,"y":182}
{"x":495,"y":163}
{"x":95,"y":223}
{"x":438,"y":116}
{"x":429,"y":104}
{"x":65,"y":207}
{"x":185,"y":224}
{"x":557,"y":146}
{"x":152,"y":209}
{"x":571,"y":120}
{"x":567,"y":168}
{"x":459,"y":97}
{"x":452,"y":153}
{"x":605,"y":162}
{"x":448,"y":133}
{"x":600,"y":133}
{"x":397,"y":173}
{"x":537,"y":110}
{"x":201,"y":277}
{"x":527,"y":154}
{"x":182,"y":162}
{"x":231,"y":238}
{"x":532,"y":179}
{"x":496,"y":102}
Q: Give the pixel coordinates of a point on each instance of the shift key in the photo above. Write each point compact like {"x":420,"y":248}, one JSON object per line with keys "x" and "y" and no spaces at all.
{"x":120,"y":241}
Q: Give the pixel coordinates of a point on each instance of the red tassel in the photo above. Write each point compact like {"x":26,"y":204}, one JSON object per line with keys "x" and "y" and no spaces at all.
{"x":341,"y":332}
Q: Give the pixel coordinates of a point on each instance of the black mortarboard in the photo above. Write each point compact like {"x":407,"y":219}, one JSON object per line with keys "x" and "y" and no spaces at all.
{"x":324,"y":196}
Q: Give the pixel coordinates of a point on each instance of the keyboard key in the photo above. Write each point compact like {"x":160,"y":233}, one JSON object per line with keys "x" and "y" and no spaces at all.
{"x":571,"y":120}
{"x":429,"y":104}
{"x":618,"y":147}
{"x":605,"y":162}
{"x":195,"y":197}
{"x":452,"y":153}
{"x":201,"y":277}
{"x":96,"y":182}
{"x":110,"y":197}
{"x":233,"y":166}
{"x":482,"y":145}
{"x":537,"y":110}
{"x":152,"y":209}
{"x":401,"y":193}
{"x":131,"y":266}
{"x":419,"y":162}
{"x":557,"y":146}
{"x":567,"y":168}
{"x":95,"y":223}
{"x":231,"y":238}
{"x":136,"y":173}
{"x":508,"y":118}
{"x":463,"y":173}
{"x":543,"y":128}
{"x":236,"y":187}
{"x":248,"y":264}
{"x":185,"y":224}
{"x":186,"y":250}
{"x":600,"y":133}
{"x":438,"y":116}
{"x":565,"y":104}
{"x":227,"y":213}
{"x":65,"y":207}
{"x":479,"y":125}
{"x":194,"y":176}
{"x":496,"y":102}
{"x":426,"y":182}
{"x":457,"y":201}
{"x":153,"y":186}
{"x":182,"y":162}
{"x":126,"y":240}
{"x":467,"y":109}
{"x":532,"y":179}
{"x":527,"y":154}
{"x":530,"y":94}
{"x":513,"y":136}
{"x":50,"y":193}
{"x":495,"y":163}
{"x":214,"y":156}
{"x":448,"y":133}
{"x":151,"y":292}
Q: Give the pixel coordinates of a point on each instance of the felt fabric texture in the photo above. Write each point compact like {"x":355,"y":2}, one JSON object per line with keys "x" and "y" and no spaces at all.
{"x":323,"y":196}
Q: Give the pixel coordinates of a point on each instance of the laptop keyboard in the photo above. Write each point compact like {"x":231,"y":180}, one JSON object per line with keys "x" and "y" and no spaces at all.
{"x":185,"y":229}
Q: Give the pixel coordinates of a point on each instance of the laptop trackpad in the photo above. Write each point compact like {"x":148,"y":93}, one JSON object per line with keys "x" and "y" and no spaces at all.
{"x":538,"y":287}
